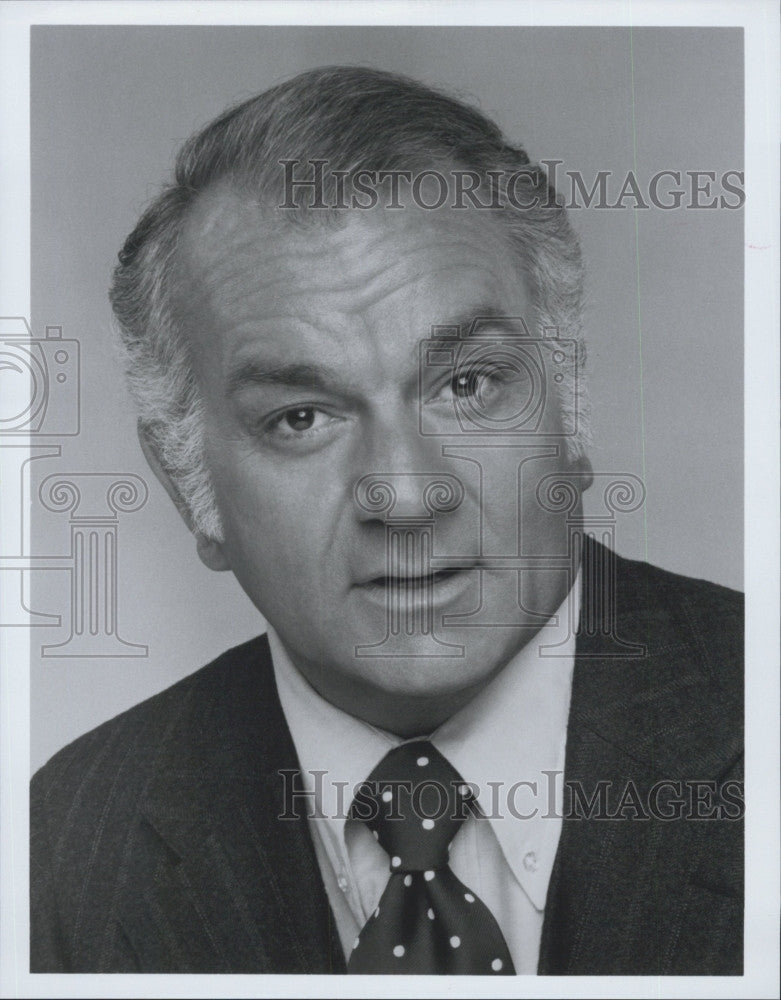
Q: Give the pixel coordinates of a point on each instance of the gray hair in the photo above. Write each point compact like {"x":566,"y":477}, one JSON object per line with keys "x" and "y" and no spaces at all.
{"x":355,"y":119}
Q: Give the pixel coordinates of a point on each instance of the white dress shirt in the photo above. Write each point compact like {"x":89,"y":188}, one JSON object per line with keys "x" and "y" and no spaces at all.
{"x":513,"y":731}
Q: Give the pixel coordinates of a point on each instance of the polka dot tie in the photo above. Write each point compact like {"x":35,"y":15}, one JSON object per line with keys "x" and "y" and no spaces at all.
{"x":427,"y":921}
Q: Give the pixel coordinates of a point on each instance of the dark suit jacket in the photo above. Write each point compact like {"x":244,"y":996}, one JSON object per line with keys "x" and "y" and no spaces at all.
{"x":156,"y":845}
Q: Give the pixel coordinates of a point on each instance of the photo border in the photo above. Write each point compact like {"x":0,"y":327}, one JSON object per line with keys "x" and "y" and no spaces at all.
{"x":760,"y":22}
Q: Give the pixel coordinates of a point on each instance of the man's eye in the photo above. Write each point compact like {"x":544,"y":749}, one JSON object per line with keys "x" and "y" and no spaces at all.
{"x":301,"y":419}
{"x":298,"y":422}
{"x":471,"y":383}
{"x":468,"y":383}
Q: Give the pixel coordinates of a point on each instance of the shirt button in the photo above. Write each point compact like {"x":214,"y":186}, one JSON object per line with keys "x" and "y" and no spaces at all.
{"x":343,"y":883}
{"x":530,"y":861}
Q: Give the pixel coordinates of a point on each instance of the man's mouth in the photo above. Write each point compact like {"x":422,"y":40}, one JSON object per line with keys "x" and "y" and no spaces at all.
{"x":422,"y":581}
{"x":436,"y":584}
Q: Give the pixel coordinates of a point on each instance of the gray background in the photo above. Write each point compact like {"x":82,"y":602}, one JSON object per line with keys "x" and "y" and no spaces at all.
{"x":110,"y":107}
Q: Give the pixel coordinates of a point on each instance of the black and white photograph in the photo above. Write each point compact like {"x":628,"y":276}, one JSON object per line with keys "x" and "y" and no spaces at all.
{"x":390,"y":562}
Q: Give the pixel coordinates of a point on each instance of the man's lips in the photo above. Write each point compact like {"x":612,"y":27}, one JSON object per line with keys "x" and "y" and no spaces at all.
{"x":418,"y":593}
{"x":411,"y":581}
{"x":426,"y":579}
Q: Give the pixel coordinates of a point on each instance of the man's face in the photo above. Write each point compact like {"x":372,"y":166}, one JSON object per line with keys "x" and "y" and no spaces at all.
{"x":306,"y":344}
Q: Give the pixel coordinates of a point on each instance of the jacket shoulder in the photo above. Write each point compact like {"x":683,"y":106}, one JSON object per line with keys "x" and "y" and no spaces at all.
{"x":140,"y":731}
{"x":84,"y":805}
{"x":704,"y":615}
{"x":705,"y":594}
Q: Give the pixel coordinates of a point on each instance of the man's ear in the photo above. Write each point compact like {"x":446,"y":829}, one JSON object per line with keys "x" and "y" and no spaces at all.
{"x":582,"y":465}
{"x":209,"y":550}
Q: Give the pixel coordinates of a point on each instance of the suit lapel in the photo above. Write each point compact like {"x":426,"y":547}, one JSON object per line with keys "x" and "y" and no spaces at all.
{"x":236,"y":887}
{"x":634,"y":721}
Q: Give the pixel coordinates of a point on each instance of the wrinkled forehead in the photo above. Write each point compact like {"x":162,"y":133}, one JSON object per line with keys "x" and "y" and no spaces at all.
{"x":251,"y":281}
{"x":227,"y":229}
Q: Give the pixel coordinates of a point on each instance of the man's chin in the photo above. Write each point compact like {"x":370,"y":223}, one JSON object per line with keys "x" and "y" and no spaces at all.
{"x":361,"y":665}
{"x":419,"y":668}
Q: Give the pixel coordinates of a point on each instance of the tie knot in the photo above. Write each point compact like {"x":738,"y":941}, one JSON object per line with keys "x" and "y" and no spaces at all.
{"x":414,"y":802}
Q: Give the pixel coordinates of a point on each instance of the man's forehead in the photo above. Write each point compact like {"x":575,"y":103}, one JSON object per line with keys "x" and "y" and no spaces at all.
{"x":227,"y":216}
{"x":249,"y":269}
{"x":221,"y":215}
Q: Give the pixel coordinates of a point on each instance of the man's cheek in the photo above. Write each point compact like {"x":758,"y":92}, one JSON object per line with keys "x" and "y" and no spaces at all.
{"x":255,"y":502}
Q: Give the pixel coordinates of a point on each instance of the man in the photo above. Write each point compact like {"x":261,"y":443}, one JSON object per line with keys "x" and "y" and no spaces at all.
{"x":352,"y":327}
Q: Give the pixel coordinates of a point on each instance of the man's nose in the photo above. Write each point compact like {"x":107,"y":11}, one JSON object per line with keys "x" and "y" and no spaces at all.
{"x":403,"y":476}
{"x":416,"y":497}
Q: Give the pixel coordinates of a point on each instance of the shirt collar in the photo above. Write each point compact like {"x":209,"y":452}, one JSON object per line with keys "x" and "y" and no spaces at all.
{"x":513,"y":731}
{"x":341,"y":749}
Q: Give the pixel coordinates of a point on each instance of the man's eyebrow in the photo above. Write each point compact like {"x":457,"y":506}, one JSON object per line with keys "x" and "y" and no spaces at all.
{"x":324,"y":379}
{"x":463,"y":325}
{"x":298,"y":375}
